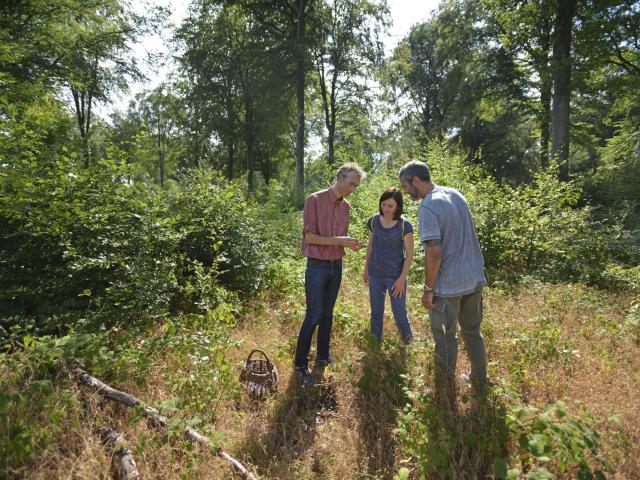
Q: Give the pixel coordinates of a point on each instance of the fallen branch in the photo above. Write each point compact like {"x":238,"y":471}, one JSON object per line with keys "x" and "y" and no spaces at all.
{"x":110,"y":393}
{"x":155,"y":418}
{"x":122,"y":460}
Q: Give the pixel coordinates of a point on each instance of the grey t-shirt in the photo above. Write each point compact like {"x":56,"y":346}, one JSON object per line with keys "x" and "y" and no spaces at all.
{"x":387,"y":254}
{"x":444,"y":215}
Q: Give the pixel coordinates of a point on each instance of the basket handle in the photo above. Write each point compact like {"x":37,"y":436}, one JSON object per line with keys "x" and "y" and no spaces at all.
{"x":259,"y":351}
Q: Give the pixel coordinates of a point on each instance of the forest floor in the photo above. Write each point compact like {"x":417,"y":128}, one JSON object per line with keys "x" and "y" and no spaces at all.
{"x":545,"y":343}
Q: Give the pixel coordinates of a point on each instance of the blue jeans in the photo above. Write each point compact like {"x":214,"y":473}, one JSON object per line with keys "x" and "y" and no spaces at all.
{"x":378,"y":288}
{"x":321,"y":284}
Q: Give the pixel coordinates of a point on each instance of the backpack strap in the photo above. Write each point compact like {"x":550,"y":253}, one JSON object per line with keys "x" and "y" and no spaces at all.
{"x":404,"y":253}
{"x":370,"y":223}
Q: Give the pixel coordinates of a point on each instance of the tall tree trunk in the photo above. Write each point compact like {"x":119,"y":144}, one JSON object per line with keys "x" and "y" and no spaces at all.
{"x":325,"y":108}
{"x":161,"y":163}
{"x":332,"y":118}
{"x":545,"y":119}
{"x":300,"y":75}
{"x":331,"y":141}
{"x":230,"y":156}
{"x":83,"y":122}
{"x":546,"y":87}
{"x":561,"y":71}
{"x":249,"y":137}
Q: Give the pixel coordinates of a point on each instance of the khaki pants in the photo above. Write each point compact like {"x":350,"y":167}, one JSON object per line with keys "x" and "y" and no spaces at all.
{"x":467,"y":311}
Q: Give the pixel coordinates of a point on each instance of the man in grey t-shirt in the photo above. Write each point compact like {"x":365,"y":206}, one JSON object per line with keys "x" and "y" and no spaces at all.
{"x":453,"y":275}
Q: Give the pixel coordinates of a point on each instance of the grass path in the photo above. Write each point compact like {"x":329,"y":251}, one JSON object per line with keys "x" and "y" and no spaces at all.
{"x":546,"y":342}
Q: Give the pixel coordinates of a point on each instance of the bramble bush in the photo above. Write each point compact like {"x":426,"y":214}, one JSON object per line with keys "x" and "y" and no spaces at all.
{"x":502,"y":438}
{"x":221,"y":230}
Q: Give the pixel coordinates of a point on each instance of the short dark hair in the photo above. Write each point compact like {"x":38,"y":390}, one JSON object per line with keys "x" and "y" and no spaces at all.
{"x":396,"y":194}
{"x":415,"y":168}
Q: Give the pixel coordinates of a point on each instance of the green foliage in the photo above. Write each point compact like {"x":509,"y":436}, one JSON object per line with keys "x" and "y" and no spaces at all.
{"x":550,"y":440}
{"x":92,"y":247}
{"x":436,"y":439}
{"x":553,"y":437}
{"x":31,"y":420}
{"x":222,"y":231}
{"x":201,"y":375}
{"x":535,"y":229}
{"x":36,"y":404}
{"x":541,"y":344}
{"x":617,"y":180}
{"x":238,"y":89}
{"x":81,"y":241}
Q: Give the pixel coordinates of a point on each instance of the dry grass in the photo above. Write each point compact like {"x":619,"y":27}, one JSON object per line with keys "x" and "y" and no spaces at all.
{"x":345,"y":427}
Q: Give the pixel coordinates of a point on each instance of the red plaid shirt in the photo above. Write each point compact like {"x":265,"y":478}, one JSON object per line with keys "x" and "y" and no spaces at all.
{"x":328,"y":216}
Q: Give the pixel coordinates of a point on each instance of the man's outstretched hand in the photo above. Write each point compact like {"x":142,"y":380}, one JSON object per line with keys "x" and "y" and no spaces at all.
{"x":350,"y":242}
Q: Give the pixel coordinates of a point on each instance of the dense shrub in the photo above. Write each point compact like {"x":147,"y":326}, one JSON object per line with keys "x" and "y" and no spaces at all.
{"x":535,"y":229}
{"x":91,"y":246}
{"x":82,"y":241}
{"x":220,"y":229}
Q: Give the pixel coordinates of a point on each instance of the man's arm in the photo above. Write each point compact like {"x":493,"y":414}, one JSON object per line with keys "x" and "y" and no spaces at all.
{"x":432,"y":259}
{"x":348,"y":242}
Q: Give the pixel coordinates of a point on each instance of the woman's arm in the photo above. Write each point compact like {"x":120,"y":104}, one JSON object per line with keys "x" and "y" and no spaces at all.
{"x":365,"y":274}
{"x":399,"y":285}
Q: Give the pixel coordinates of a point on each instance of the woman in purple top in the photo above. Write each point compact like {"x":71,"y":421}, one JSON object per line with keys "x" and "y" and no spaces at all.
{"x":389,"y":256}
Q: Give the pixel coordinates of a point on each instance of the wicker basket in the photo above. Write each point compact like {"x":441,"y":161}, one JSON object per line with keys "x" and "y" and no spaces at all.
{"x":259,"y":376}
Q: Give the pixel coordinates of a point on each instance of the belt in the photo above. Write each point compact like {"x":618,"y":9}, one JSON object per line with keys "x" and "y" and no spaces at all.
{"x":317,"y":261}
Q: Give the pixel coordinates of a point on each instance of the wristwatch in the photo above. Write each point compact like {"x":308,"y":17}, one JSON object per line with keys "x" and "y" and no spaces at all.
{"x":427,"y":288}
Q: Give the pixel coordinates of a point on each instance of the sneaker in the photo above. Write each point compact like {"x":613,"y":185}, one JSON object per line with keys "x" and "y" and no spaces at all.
{"x":466,"y":378}
{"x":304,"y":377}
{"x":322,"y":364}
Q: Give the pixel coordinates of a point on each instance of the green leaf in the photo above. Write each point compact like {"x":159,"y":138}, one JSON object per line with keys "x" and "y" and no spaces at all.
{"x":500,"y":468}
{"x":513,"y":474}
{"x":540,"y":474}
{"x":471,"y":439}
{"x":403,"y":474}
{"x":537,"y":444}
{"x":41,"y":386}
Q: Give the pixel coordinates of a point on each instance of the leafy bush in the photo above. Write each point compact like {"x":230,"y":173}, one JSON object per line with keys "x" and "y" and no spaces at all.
{"x":220,"y":229}
{"x":448,"y":445}
{"x":36,"y":403}
{"x":90,"y":246}
{"x":569,"y":445}
{"x":83,"y":241}
{"x":478,"y":442}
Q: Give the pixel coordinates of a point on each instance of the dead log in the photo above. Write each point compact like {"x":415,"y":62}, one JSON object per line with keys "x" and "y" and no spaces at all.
{"x":104,"y":390}
{"x":195,"y":436}
{"x":154,"y":417}
{"x":123,"y":464}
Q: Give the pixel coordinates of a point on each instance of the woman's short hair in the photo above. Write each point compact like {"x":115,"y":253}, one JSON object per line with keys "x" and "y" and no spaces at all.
{"x":396,"y":194}
{"x":349,"y":168}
